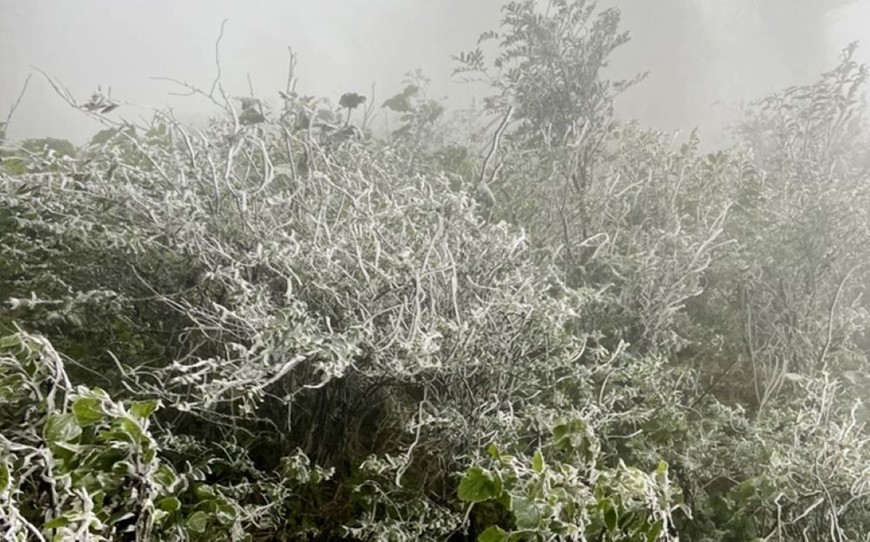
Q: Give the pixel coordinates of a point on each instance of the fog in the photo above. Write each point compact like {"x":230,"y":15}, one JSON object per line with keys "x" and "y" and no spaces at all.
{"x":703,"y":57}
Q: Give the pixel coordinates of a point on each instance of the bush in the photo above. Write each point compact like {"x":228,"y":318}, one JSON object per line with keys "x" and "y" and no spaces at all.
{"x":281,"y":326}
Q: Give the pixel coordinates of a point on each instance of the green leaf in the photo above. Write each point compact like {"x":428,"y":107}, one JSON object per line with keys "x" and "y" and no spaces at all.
{"x":654,"y":531}
{"x":204,"y":492}
{"x":504,"y":500}
{"x":10,"y":342}
{"x":197,"y":522}
{"x":569,"y":434}
{"x":225,"y":513}
{"x":60,"y":521}
{"x":538,"y":462}
{"x":143,"y":409}
{"x":662,"y":467}
{"x":61,"y":428}
{"x":131,"y":427}
{"x":14,"y":165}
{"x":526,"y":514}
{"x":493,"y":533}
{"x":168,"y":504}
{"x":611,"y":518}
{"x":478,"y":486}
{"x":148,"y":453}
{"x":166,"y":477}
{"x":88,"y":411}
{"x":4,"y":477}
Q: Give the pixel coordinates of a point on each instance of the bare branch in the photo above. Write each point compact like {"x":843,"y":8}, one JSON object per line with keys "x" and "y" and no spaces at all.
{"x":67,"y":96}
{"x":291,"y":72}
{"x":12,"y":109}
{"x":216,"y":84}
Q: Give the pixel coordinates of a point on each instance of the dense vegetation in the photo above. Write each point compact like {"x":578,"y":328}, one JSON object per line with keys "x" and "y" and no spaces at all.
{"x":286,"y":326}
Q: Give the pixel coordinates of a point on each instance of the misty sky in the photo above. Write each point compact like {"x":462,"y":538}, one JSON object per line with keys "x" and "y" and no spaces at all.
{"x":704,"y":56}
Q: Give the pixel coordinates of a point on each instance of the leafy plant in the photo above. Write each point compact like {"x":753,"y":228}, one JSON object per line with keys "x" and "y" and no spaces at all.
{"x":564,"y":492}
{"x":78,"y":465}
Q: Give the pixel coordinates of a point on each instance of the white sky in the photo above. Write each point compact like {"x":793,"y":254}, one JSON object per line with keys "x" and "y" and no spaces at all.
{"x":346,"y":45}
